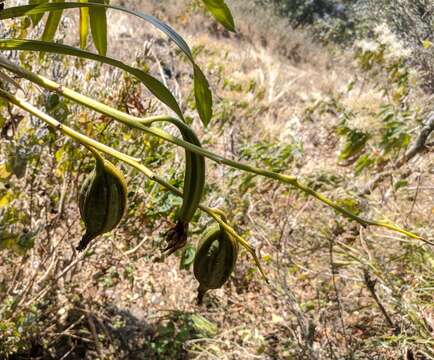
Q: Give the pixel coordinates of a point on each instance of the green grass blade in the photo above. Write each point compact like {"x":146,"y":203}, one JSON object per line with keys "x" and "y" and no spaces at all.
{"x":52,"y":24}
{"x":221,"y":13}
{"x":98,"y":26}
{"x":154,"y":85}
{"x":37,"y":17}
{"x":201,"y":87}
{"x":84,"y":25}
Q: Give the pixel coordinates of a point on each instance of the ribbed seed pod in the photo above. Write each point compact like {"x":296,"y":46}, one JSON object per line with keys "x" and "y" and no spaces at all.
{"x":102,"y":200}
{"x":215,"y":259}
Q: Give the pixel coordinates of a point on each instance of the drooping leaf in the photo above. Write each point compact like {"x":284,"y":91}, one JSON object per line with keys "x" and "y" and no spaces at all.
{"x":221,"y":13}
{"x":52,"y":23}
{"x":98,"y":26}
{"x":154,"y":86}
{"x":202,"y":94}
{"x":84,"y":25}
{"x":37,"y":17}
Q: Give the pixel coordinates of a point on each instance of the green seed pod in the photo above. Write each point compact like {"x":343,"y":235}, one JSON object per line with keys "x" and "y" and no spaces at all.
{"x":215,"y":260}
{"x":102,"y":200}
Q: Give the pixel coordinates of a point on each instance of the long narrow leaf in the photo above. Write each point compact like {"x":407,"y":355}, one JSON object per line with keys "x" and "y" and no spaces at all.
{"x":203,"y":95}
{"x":37,"y":17}
{"x":154,"y":86}
{"x":84,"y":25}
{"x":221,"y":13}
{"x":52,"y":23}
{"x":98,"y":26}
{"x":201,"y":84}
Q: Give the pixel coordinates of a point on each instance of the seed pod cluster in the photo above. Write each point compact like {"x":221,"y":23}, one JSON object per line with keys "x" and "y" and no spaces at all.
{"x":215,"y":259}
{"x":102,"y":200}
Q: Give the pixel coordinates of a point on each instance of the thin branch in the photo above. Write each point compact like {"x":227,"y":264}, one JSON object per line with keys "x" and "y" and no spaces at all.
{"x":370,"y":284}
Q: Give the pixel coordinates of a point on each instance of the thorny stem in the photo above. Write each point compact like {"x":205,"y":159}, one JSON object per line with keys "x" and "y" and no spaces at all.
{"x":142,"y":124}
{"x":91,"y":143}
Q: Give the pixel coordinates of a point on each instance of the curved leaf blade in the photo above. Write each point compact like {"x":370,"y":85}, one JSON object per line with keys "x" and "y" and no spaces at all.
{"x":203,"y":96}
{"x":154,"y":85}
{"x":52,"y":24}
{"x":37,"y":17}
{"x":98,"y":26}
{"x":221,"y":13}
{"x":201,"y":83}
{"x":84,"y":25}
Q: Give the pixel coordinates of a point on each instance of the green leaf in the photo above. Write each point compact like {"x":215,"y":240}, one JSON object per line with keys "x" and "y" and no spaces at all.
{"x":187,"y":257}
{"x":52,"y":23}
{"x":84,"y":25}
{"x":362,"y":163}
{"x":7,"y":240}
{"x":350,"y":204}
{"x":400,"y":184}
{"x":52,"y":101}
{"x":154,"y":86}
{"x":98,"y":26}
{"x":60,"y":112}
{"x":37,"y":17}
{"x":203,"y":327}
{"x":355,"y":143}
{"x":19,"y":243}
{"x":221,"y":13}
{"x":26,"y":241}
{"x":202,"y":94}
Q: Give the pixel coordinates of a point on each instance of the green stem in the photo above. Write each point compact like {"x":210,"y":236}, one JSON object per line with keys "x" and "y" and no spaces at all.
{"x":141,"y":124}
{"x":90,"y":144}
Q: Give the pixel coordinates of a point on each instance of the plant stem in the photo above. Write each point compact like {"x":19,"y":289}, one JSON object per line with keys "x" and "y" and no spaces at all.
{"x":91,"y":143}
{"x":141,"y":124}
{"x":370,"y":284}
